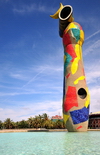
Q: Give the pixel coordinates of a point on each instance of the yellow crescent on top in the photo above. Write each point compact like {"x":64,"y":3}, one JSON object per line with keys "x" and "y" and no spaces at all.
{"x":56,"y":15}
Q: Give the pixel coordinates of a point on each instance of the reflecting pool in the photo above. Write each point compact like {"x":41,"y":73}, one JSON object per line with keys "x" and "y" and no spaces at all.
{"x":50,"y":143}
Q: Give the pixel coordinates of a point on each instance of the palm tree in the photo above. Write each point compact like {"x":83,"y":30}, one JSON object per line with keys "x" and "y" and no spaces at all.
{"x":59,"y":124}
{"x":1,"y":124}
{"x":37,"y":121}
{"x":8,"y":123}
{"x":30,"y":122}
{"x":16,"y":125}
{"x":23,"y":124}
{"x":45,"y":116}
{"x":48,"y":124}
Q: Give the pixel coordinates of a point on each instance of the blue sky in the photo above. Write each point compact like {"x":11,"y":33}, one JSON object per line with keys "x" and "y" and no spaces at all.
{"x":31,"y":56}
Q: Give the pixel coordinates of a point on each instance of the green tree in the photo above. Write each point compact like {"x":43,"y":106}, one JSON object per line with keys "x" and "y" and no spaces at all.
{"x":22,"y":124}
{"x":48,"y":124}
{"x":37,"y":123}
{"x":8,"y":123}
{"x":16,"y":125}
{"x":1,"y":124}
{"x":45,"y":116}
{"x":30,"y":122}
{"x":59,"y":124}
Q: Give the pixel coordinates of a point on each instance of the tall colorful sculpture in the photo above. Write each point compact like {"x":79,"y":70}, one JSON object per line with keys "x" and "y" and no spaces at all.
{"x":76,"y":97}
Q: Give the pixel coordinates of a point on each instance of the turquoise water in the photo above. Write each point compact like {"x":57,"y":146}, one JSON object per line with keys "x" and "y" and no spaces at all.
{"x":50,"y":143}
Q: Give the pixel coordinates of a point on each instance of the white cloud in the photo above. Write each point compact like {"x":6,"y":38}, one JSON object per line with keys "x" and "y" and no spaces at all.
{"x":92,"y":76}
{"x":25,"y":8}
{"x":92,"y":35}
{"x":95,"y":91}
{"x":31,"y":73}
{"x":18,"y":76}
{"x":92,"y":47}
{"x":95,"y":99}
{"x":31,"y":8}
{"x":32,"y":109}
{"x":25,"y":93}
{"x":88,"y":23}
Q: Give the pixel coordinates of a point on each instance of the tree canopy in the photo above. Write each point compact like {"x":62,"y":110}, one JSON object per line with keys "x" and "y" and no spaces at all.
{"x":39,"y":121}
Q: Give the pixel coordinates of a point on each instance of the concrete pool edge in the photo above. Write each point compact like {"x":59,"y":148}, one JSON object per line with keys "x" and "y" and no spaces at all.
{"x":39,"y":130}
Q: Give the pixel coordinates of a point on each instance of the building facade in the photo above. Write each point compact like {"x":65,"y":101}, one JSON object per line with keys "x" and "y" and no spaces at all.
{"x":56,"y":117}
{"x":94,"y":120}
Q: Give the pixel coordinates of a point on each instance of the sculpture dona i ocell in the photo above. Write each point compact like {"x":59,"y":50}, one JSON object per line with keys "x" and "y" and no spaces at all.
{"x":76,"y":98}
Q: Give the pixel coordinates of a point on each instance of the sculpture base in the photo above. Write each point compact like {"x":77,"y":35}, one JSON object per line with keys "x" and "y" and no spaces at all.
{"x":82,"y":127}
